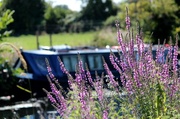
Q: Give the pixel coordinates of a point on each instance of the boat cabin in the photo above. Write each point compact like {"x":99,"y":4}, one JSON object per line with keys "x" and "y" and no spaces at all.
{"x":37,"y":67}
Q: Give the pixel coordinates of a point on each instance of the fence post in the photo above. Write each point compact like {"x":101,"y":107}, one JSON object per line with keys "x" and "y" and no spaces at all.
{"x":37,"y":38}
{"x":50,"y":38}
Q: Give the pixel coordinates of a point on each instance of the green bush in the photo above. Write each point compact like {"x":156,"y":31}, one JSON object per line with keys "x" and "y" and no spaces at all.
{"x":104,"y":37}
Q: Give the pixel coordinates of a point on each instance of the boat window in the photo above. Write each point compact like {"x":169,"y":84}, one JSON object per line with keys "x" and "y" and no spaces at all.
{"x":95,"y":62}
{"x":40,"y":62}
{"x":70,"y":62}
{"x":154,"y":54}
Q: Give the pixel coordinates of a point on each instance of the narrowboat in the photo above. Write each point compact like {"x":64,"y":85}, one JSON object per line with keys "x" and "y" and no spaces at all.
{"x":36,"y":76}
{"x":37,"y":72}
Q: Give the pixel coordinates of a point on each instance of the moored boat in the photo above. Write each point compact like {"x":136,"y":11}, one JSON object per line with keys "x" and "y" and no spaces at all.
{"x":36,"y":74}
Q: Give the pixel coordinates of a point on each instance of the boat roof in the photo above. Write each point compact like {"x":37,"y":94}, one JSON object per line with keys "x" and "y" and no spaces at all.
{"x":84,"y":51}
{"x":43,"y":52}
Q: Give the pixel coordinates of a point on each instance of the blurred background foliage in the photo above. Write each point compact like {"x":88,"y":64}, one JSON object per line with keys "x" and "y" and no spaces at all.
{"x":7,"y":55}
{"x":161,"y":18}
{"x":157,"y":17}
{"x":5,"y":20}
{"x":8,"y":69}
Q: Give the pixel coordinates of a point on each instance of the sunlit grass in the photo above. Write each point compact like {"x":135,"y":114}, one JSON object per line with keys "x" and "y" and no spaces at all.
{"x":73,"y":39}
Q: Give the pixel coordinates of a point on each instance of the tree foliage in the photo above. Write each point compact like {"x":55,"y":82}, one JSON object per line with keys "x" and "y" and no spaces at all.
{"x":28,"y":14}
{"x":5,"y":20}
{"x":158,"y":16}
{"x":154,"y":16}
{"x":96,"y":11}
{"x":55,"y":17}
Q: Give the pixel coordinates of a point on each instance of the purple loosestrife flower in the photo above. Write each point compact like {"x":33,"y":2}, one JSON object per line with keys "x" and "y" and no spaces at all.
{"x":81,"y":69}
{"x":139,"y":45}
{"x":49,"y":69}
{"x":129,"y":86}
{"x":60,"y":112}
{"x":105,"y":114}
{"x":78,"y":79}
{"x":149,"y":65}
{"x":59,"y":99}
{"x":111,"y":76}
{"x":128,"y":22}
{"x":60,"y":109}
{"x":136,"y":78}
{"x":98,"y":85}
{"x":130,"y":62}
{"x":173,"y":89}
{"x":64,"y":70}
{"x":99,"y":90}
{"x":123,"y":78}
{"x":61,"y":103}
{"x":131,"y":47}
{"x":170,"y":52}
{"x":83,"y":98}
{"x":160,"y":55}
{"x":50,"y":97}
{"x":54,"y":90}
{"x":70,"y":81}
{"x":165,"y":74}
{"x":175,"y":82}
{"x":175,"y":60}
{"x":88,"y":74}
{"x":117,"y":64}
{"x":111,"y":57}
{"x":123,"y":65}
{"x":80,"y":75}
{"x":51,"y":75}
{"x":120,"y":40}
{"x":140,"y":68}
{"x":58,"y":95}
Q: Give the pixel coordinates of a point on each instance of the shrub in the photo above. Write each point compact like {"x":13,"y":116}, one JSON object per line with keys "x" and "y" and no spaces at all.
{"x":9,"y":55}
{"x":104,"y":37}
{"x":150,"y":87}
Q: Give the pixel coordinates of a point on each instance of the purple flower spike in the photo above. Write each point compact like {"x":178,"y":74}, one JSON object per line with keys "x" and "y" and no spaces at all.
{"x":111,"y":76}
{"x":128,"y":23}
{"x":111,"y":57}
{"x":50,"y":97}
{"x":88,"y":74}
{"x":105,"y":114}
{"x":64,"y":70}
{"x":175,"y":60}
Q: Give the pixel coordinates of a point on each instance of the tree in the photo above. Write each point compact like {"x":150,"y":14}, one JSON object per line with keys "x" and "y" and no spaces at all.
{"x":55,"y":17}
{"x":154,"y":16}
{"x":178,"y":16}
{"x":164,"y":15}
{"x":6,"y":71}
{"x":28,"y":14}
{"x":5,"y":20}
{"x":96,"y":11}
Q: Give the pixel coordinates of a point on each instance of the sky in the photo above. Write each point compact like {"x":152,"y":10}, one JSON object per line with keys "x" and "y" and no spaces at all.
{"x":74,"y":5}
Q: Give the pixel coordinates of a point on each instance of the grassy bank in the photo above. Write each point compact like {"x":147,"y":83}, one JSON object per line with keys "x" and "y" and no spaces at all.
{"x":73,"y":39}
